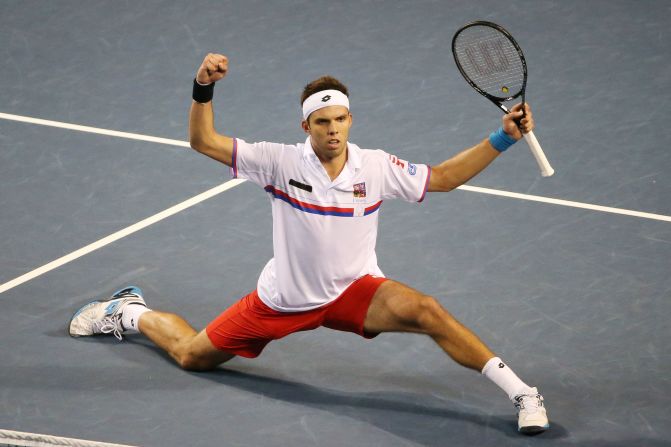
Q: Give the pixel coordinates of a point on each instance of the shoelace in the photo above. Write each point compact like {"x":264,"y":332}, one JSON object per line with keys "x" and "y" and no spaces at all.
{"x":111,"y":325}
{"x":529,"y":402}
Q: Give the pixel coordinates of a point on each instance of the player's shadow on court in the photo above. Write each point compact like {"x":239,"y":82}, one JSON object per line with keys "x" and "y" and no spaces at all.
{"x":427,"y":423}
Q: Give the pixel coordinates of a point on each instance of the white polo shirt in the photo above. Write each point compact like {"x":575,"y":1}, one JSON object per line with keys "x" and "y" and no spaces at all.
{"x":324,"y":231}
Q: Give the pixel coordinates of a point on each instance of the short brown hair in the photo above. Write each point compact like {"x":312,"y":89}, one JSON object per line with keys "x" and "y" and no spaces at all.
{"x":323,"y":83}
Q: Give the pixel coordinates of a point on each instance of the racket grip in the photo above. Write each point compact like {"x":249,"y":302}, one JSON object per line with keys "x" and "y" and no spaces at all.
{"x":539,"y":155}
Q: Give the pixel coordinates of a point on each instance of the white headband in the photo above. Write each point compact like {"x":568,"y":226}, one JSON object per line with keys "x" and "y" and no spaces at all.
{"x":323,"y":99}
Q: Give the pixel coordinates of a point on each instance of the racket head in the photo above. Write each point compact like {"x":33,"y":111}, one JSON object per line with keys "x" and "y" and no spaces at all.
{"x":491,"y":61}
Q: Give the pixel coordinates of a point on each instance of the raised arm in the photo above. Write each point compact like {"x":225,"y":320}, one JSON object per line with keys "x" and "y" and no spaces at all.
{"x":202,"y":135}
{"x":467,"y":164}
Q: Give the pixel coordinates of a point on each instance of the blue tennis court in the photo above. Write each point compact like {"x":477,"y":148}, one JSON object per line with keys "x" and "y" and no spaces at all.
{"x":567,"y":277}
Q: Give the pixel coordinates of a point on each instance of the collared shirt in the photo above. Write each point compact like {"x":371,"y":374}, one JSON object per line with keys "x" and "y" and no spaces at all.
{"x":324,"y":231}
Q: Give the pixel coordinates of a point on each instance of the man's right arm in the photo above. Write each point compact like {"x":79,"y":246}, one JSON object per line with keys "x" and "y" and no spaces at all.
{"x":202,"y":135}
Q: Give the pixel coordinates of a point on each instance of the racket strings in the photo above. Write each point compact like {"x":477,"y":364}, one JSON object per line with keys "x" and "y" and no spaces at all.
{"x":490,"y":61}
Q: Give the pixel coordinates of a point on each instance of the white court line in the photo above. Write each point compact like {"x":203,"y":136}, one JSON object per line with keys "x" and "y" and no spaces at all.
{"x":19,"y":438}
{"x":120,"y":234}
{"x":230,"y":184}
{"x":96,"y":130}
{"x":569,"y":203}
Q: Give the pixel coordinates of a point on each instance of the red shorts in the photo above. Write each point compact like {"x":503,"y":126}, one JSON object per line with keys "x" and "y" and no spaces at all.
{"x":249,"y":325}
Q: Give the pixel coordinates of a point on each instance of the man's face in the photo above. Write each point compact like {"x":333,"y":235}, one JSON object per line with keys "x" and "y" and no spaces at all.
{"x":329,"y":130}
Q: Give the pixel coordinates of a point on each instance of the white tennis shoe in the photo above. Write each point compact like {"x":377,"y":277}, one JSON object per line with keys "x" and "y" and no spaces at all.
{"x":104,"y":316}
{"x":532,"y":417}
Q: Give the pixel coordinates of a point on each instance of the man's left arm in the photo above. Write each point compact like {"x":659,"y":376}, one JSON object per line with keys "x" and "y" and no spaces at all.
{"x":467,"y":164}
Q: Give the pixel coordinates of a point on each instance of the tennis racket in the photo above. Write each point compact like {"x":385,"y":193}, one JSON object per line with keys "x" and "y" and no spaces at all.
{"x":492,"y":62}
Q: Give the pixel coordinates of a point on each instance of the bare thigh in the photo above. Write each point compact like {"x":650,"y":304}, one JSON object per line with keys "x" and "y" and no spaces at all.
{"x":396,"y":307}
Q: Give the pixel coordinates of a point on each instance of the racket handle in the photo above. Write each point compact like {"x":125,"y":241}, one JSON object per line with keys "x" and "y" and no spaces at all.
{"x":541,"y":159}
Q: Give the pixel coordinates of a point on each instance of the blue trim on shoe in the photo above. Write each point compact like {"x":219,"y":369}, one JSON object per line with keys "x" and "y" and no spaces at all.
{"x":111,"y":307}
{"x":129,"y":289}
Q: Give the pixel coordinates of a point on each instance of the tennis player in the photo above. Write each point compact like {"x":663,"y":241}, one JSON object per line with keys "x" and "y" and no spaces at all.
{"x":325,"y":194}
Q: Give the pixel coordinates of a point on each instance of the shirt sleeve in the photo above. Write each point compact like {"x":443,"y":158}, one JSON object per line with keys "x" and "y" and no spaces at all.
{"x":256,"y":162}
{"x":402,"y":179}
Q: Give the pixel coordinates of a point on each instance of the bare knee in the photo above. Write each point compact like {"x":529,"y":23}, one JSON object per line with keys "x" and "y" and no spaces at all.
{"x":191,"y":362}
{"x":417,"y":313}
{"x":197,"y":353}
{"x":431,"y":316}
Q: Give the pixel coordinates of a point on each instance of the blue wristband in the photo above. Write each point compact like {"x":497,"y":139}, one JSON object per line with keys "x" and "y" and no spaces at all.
{"x":501,"y":140}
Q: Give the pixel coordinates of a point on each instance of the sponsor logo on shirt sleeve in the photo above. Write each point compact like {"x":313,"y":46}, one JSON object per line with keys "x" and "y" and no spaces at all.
{"x":395,"y":161}
{"x":412,"y":169}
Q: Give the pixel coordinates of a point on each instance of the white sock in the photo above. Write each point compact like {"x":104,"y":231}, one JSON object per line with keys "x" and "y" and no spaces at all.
{"x":130,"y":318}
{"x":499,"y":373}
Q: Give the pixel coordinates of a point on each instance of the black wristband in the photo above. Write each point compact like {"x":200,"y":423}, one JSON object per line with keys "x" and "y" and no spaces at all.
{"x":202,"y":93}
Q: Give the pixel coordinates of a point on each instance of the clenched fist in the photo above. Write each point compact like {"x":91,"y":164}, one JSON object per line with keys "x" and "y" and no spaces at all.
{"x":518,"y":122}
{"x":213,"y":69}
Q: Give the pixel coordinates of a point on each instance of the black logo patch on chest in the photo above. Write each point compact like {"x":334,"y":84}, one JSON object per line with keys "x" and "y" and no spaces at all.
{"x":300,"y":185}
